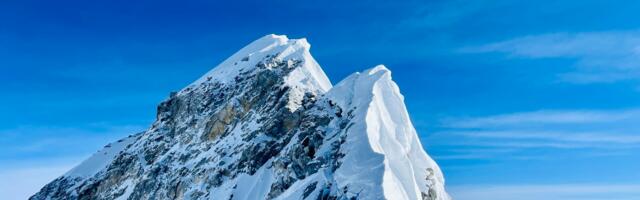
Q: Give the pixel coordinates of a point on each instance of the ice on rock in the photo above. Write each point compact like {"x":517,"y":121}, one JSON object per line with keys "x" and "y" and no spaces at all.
{"x":266,"y":123}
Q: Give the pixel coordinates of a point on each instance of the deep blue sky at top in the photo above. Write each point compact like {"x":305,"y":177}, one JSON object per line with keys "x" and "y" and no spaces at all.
{"x":75,"y":75}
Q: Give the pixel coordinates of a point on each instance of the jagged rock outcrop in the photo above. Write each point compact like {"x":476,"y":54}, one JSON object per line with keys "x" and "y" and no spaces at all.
{"x":266,"y":124}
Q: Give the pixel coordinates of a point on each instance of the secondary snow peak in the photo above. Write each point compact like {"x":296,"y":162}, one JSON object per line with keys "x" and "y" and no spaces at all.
{"x":382,"y":134}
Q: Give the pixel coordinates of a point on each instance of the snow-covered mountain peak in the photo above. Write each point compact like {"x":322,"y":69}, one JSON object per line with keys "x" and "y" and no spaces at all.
{"x":266,"y":124}
{"x":307,"y":74}
{"x":383,"y":135}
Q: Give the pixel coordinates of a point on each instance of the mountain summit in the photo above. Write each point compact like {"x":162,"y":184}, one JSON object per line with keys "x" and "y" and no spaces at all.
{"x":266,"y":124}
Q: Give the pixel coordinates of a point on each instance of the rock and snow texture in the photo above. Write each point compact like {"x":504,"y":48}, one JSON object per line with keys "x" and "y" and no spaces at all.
{"x":266,"y":124}
{"x":100,"y":159}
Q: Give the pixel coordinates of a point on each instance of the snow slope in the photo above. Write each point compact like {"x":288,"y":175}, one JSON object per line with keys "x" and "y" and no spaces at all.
{"x":99,"y":160}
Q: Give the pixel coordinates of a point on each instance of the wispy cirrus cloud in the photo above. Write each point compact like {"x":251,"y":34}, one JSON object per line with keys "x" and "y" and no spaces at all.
{"x":548,"y":192}
{"x":579,"y":137}
{"x":606,"y":56}
{"x":37,"y":142}
{"x":506,"y":135}
{"x":32,"y":156}
{"x":543,"y":117}
{"x":24,"y":182}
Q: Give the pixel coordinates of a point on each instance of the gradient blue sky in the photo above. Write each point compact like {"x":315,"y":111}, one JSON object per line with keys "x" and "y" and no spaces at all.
{"x":515,"y":100}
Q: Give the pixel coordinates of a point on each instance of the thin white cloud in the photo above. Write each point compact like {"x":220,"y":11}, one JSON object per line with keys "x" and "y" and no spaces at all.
{"x":524,"y":144}
{"x":591,"y":131}
{"x":36,"y":139}
{"x":602,"y":45}
{"x":547,"y":192}
{"x":600,"y":56}
{"x":21,"y":183}
{"x":28,"y":165}
{"x":575,"y":137}
{"x":543,"y":117}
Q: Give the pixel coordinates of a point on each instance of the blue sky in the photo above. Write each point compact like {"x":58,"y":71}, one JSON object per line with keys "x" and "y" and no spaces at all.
{"x":514,"y":100}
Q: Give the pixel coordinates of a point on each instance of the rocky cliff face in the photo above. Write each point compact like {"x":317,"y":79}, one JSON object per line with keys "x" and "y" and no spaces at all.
{"x":266,"y":124}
